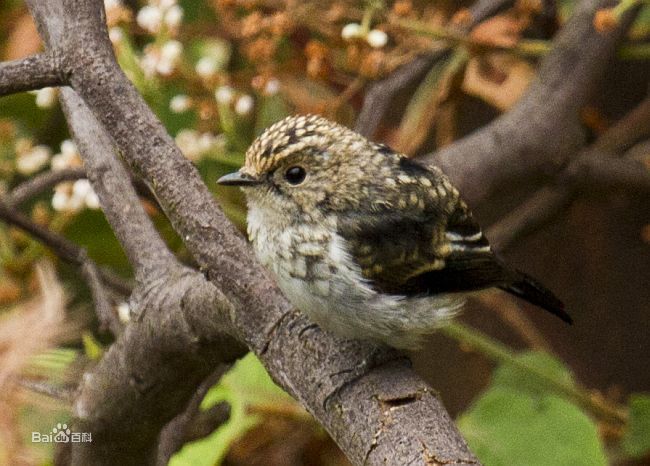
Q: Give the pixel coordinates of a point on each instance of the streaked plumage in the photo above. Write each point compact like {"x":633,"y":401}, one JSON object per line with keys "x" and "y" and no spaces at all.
{"x":368,"y":243}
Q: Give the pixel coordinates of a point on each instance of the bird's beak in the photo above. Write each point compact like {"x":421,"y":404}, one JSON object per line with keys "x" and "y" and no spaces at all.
{"x":238,"y":179}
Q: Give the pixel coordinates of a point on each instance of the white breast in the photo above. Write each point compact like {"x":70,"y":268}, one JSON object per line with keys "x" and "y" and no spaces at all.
{"x":331,"y":290}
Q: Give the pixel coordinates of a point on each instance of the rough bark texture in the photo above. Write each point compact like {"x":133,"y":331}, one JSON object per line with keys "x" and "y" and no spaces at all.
{"x":187,"y":323}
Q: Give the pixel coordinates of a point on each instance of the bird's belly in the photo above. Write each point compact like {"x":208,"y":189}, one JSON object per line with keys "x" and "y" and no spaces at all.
{"x":320,"y":278}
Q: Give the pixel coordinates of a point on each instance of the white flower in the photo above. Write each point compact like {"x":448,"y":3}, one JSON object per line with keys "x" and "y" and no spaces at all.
{"x":23,"y":145}
{"x":60,"y":200}
{"x":272,"y":87}
{"x":150,"y":18}
{"x":69,"y":156}
{"x":75,"y":203}
{"x":46,"y":97}
{"x":165,"y":67}
{"x":180,"y":103}
{"x":224,"y":94}
{"x":108,"y":4}
{"x":206,"y":67}
{"x":115,"y":34}
{"x":81,"y":188}
{"x":69,"y":148}
{"x":166,"y":4}
{"x":377,"y":38}
{"x":351,"y":31}
{"x":171,"y":50}
{"x":174,"y":16}
{"x":194,"y":144}
{"x":244,"y":105}
{"x":124,"y":313}
{"x":65,"y":200}
{"x":33,"y":160}
{"x":206,"y":142}
{"x":187,"y":141}
{"x":92,"y":200}
{"x":149,"y":61}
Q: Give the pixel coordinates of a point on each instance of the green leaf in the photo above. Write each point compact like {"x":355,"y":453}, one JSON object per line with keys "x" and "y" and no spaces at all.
{"x":507,"y":375}
{"x":245,"y":385}
{"x":247,"y":382}
{"x":510,"y":428}
{"x":51,"y":364}
{"x":636,"y":442}
{"x":92,"y":347}
{"x":90,"y":230}
{"x":519,"y":421}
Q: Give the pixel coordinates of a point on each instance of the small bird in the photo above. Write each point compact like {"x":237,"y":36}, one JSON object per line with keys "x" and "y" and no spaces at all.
{"x":367,"y":242}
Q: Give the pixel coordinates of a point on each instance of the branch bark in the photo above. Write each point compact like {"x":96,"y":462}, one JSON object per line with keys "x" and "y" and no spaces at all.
{"x":94,"y":276}
{"x":42,"y":182}
{"x":537,"y":137}
{"x":604,"y":165}
{"x":369,"y":399}
{"x":63,"y":248}
{"x":31,"y":73}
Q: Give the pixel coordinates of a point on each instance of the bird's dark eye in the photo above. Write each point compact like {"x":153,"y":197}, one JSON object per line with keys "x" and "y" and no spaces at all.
{"x":295,"y":175}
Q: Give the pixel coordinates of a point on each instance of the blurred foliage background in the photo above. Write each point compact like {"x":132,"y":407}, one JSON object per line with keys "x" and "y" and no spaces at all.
{"x":217,"y":72}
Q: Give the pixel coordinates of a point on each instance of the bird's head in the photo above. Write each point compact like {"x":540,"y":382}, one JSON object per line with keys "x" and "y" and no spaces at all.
{"x":307,"y":163}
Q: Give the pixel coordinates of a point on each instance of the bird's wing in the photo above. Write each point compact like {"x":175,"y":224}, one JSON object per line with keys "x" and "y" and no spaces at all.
{"x":415,"y":249}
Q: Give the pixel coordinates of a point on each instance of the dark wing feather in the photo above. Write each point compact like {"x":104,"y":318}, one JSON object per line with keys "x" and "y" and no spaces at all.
{"x":433,"y":248}
{"x":417,"y":249}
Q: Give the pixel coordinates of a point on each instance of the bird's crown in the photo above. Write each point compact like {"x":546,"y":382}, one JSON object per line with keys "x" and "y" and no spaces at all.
{"x":307,"y":134}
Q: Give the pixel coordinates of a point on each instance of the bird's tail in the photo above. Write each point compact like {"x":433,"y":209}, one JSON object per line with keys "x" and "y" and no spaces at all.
{"x":531,"y":290}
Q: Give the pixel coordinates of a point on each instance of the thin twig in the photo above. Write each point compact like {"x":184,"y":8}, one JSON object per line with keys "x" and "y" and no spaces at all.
{"x":633,"y":127}
{"x":533,"y":48}
{"x":483,"y":9}
{"x":60,"y":393}
{"x":30,"y":73}
{"x":607,"y":173}
{"x":510,"y":313}
{"x":540,"y":209}
{"x":355,"y":86}
{"x":62,"y":247}
{"x":603,"y":166}
{"x":42,"y":182}
{"x":174,"y":434}
{"x":108,"y":318}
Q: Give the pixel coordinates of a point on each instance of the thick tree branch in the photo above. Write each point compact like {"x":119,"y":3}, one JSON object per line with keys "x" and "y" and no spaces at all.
{"x":152,"y":370}
{"x":146,"y":251}
{"x":378,"y":98}
{"x":603,"y":166}
{"x":369,"y":399}
{"x":536,"y":138}
{"x":31,"y":73}
{"x":165,"y":289}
